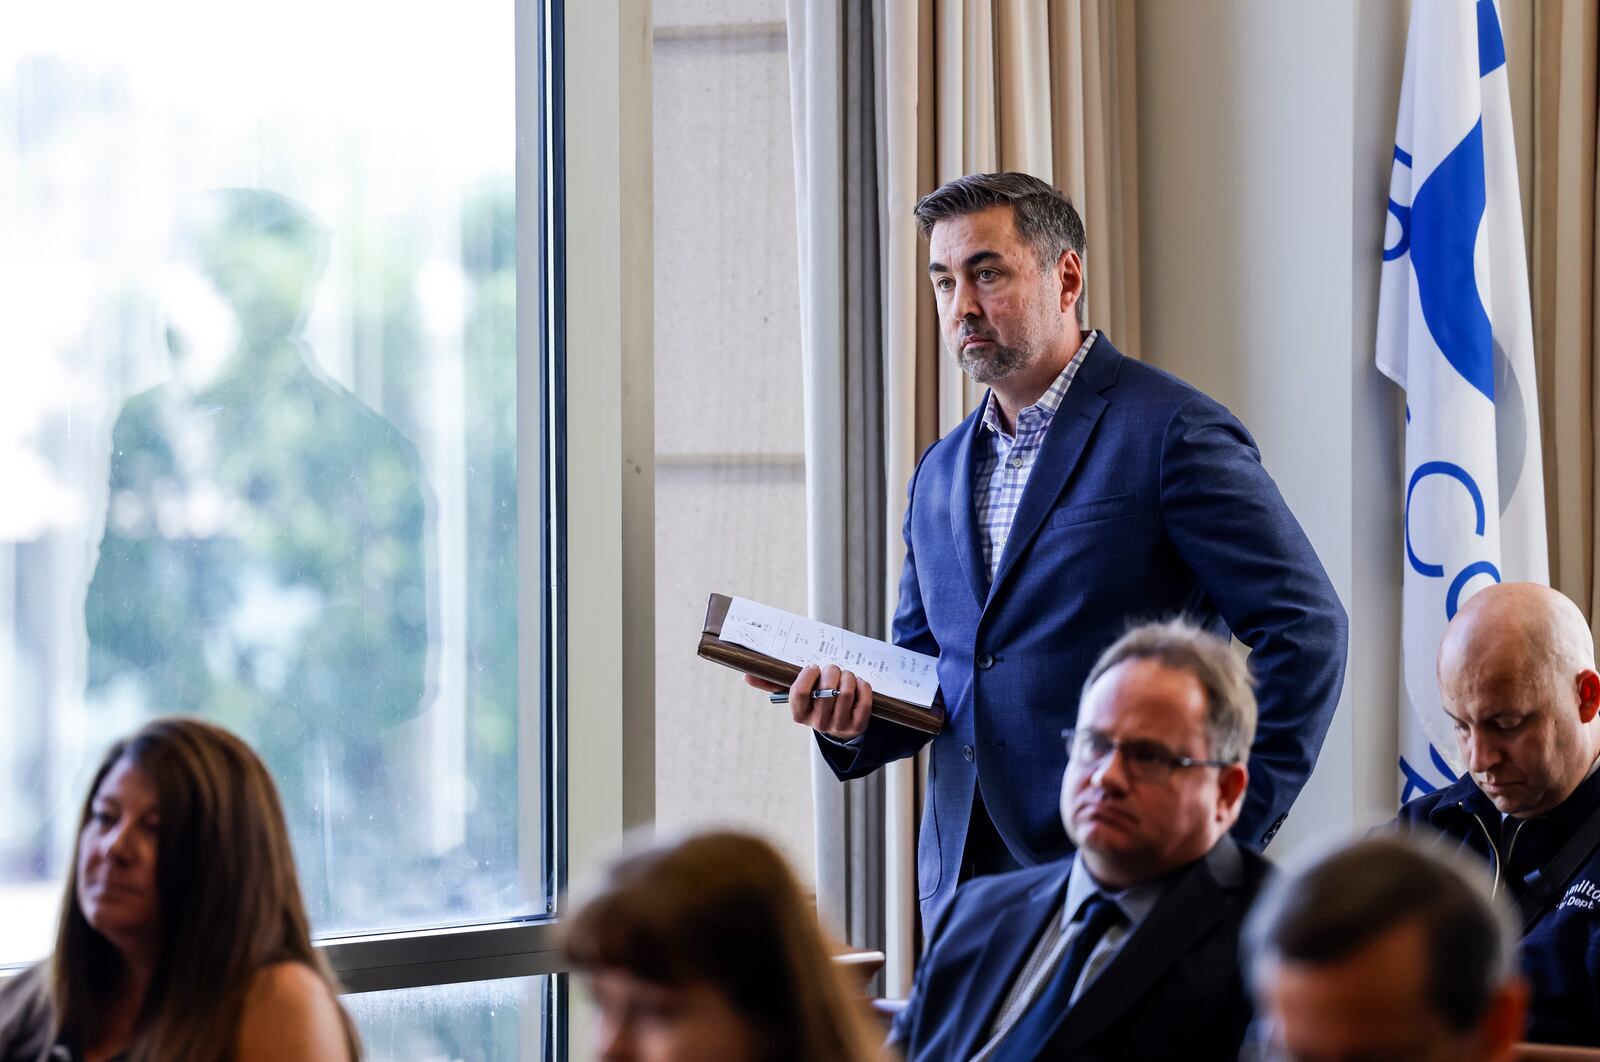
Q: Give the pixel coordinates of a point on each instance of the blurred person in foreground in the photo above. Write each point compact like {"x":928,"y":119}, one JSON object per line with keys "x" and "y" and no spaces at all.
{"x":1127,"y":949}
{"x":1517,"y":678}
{"x":183,"y":936}
{"x":1383,"y":950}
{"x":708,"y":949}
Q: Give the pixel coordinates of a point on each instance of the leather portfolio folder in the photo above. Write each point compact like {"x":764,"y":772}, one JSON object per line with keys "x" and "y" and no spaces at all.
{"x":751,"y":662}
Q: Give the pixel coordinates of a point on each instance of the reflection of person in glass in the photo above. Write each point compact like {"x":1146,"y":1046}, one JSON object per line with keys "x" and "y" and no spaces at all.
{"x":262,"y":559}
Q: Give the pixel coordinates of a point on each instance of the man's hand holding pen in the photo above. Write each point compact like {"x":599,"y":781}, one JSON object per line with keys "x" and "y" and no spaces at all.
{"x":826,"y":699}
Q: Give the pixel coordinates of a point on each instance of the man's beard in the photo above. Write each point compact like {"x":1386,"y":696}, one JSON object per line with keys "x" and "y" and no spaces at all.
{"x":993,"y":362}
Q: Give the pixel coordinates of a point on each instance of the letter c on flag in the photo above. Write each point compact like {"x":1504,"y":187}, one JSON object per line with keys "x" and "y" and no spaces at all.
{"x":1436,"y":571}
{"x":1456,"y":472}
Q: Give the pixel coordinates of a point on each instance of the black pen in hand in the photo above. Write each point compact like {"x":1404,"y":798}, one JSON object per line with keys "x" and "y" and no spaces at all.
{"x":816,"y":695}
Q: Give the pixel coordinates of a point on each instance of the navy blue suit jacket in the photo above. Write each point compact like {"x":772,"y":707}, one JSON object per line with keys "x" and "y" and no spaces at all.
{"x":1147,"y":500}
{"x":1173,"y":990}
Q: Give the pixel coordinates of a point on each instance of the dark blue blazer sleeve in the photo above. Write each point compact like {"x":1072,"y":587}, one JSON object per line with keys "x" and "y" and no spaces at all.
{"x":885,"y":742}
{"x":908,"y":1022}
{"x":1232,"y":527}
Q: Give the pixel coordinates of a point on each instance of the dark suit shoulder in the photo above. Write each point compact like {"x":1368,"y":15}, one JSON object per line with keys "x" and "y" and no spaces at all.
{"x":1258,"y":869}
{"x":984,"y":893}
{"x":1160,"y":391}
{"x":1231,"y":865}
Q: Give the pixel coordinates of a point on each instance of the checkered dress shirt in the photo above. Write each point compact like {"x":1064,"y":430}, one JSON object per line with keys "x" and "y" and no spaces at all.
{"x":1004,"y":461}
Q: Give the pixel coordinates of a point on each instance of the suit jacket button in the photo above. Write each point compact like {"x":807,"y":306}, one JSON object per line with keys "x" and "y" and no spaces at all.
{"x":966,"y":753}
{"x":985,"y":661}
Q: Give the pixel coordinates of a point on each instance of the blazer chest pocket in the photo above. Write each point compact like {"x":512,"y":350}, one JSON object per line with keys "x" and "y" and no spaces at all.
{"x":1090,"y":512}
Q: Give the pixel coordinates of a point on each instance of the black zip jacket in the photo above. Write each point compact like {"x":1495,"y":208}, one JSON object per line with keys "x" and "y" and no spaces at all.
{"x":1561,"y":951}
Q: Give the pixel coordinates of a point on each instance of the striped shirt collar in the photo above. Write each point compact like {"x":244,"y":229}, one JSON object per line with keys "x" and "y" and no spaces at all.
{"x":1136,"y":901}
{"x":1038,"y":416}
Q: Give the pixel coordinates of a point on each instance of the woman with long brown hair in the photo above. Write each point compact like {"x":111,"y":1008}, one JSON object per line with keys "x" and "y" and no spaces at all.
{"x":708,"y":949}
{"x":183,"y":937}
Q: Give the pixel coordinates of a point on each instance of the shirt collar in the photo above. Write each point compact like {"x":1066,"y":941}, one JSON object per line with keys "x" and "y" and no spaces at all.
{"x":1135,"y":901}
{"x":1045,"y":408}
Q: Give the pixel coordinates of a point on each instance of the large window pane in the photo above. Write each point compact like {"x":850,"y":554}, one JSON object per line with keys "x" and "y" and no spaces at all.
{"x":730,"y":439}
{"x":260,"y":443}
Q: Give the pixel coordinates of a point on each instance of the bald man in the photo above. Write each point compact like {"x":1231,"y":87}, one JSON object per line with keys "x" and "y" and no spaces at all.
{"x":1517,"y":676}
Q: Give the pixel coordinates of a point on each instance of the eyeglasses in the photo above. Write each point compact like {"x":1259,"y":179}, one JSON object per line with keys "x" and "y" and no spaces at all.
{"x":1146,"y":761}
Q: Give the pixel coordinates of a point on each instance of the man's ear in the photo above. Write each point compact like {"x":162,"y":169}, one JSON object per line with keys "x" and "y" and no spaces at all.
{"x":1232,"y":781}
{"x":1588,"y":695}
{"x":1069,"y":271}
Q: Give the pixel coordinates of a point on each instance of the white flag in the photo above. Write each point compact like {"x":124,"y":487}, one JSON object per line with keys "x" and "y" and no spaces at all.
{"x":1456,"y":331}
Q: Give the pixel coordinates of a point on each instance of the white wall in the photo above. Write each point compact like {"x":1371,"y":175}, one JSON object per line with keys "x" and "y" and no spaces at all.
{"x":729,"y":434}
{"x":1266,"y":132}
{"x":1263,"y":129}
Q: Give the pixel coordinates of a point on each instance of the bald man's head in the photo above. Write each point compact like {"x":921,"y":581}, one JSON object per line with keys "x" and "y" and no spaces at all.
{"x":1517,"y":675}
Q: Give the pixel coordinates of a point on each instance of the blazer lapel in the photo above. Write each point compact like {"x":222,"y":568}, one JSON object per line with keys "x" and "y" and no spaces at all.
{"x":1017,"y":929}
{"x":1195,"y":901}
{"x":963,"y":514}
{"x":1062,"y":449}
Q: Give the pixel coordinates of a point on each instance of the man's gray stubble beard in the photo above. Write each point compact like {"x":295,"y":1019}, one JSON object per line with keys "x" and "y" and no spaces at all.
{"x":1000,"y":363}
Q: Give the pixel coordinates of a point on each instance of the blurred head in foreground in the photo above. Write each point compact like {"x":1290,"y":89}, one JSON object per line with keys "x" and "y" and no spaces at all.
{"x":1385,"y":950}
{"x":707,"y":948}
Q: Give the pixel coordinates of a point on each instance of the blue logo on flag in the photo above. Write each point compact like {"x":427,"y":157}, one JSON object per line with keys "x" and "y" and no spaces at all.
{"x":1445,"y":216}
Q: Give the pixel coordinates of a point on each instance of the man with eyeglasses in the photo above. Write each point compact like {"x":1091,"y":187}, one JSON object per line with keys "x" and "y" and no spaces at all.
{"x":1384,"y":951}
{"x":1127,"y":949}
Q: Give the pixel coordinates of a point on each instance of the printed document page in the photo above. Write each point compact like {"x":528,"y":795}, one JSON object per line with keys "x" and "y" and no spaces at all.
{"x":891,"y":670}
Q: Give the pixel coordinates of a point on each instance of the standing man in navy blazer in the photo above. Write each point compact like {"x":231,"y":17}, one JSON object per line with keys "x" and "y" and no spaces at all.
{"x":1086,"y":492}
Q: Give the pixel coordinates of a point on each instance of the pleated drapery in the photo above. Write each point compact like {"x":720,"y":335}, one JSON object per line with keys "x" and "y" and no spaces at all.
{"x":1564,"y":276}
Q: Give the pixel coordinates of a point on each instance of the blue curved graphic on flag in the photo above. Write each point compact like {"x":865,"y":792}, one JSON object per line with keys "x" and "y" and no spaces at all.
{"x":1419,"y":784}
{"x":1455,"y":472}
{"x":1402,"y":215}
{"x":1491,"y":45}
{"x":1416,"y":783}
{"x":1452,"y":597}
{"x":1445,"y":215}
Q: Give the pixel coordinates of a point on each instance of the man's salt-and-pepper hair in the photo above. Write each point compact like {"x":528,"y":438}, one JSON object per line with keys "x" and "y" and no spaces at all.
{"x":1044,"y":217}
{"x":1221,"y":672}
{"x":1331,"y":909}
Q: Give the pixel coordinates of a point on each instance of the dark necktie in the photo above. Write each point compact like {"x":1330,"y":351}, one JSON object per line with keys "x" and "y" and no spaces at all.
{"x":1028,"y":1036}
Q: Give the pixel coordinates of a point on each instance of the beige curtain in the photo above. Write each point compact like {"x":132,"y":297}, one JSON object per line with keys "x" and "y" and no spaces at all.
{"x":1565,"y":185}
{"x":1043,"y":86}
{"x":832,"y":72}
